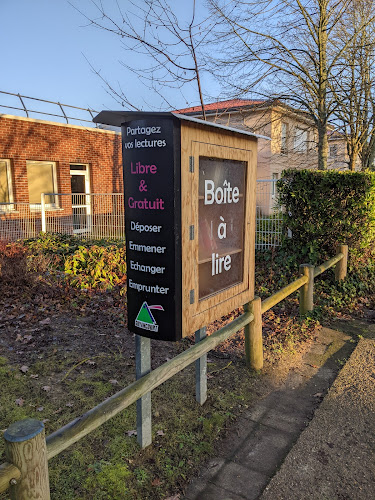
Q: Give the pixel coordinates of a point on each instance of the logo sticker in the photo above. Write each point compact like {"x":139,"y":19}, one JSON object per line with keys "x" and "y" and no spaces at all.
{"x":145,"y":319}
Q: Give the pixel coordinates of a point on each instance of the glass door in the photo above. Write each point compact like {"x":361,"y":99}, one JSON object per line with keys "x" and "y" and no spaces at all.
{"x":81,"y":206}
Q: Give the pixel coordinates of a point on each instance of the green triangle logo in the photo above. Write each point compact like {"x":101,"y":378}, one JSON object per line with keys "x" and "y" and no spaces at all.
{"x":145,"y":315}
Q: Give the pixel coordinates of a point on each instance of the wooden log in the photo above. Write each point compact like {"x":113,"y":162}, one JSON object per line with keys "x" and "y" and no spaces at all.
{"x":306,"y":297}
{"x":75,"y":430}
{"x":342,"y":266}
{"x":25,"y":447}
{"x":253,"y":335}
{"x":328,"y":264}
{"x":9,"y":474}
{"x":277,"y":297}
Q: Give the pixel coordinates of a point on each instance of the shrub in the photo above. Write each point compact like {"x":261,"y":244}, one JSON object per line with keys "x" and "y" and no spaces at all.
{"x":13,"y":262}
{"x":96,"y":267}
{"x":325,"y":208}
{"x":57,"y":246}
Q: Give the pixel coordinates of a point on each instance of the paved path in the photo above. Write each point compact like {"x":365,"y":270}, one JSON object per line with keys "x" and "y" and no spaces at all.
{"x":263,"y":436}
{"x":335,"y":456}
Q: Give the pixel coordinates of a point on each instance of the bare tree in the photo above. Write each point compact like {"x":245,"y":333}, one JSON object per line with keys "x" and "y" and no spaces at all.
{"x":285,"y":49}
{"x":353,"y":83}
{"x":169,"y":48}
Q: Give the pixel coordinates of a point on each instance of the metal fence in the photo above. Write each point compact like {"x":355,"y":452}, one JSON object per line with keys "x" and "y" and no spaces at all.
{"x":59,"y":111}
{"x":19,"y":221}
{"x":268,"y":215}
{"x":96,"y":216}
{"x":88,"y":216}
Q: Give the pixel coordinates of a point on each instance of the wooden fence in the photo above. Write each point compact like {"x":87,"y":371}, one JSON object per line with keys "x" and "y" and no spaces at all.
{"x":27,"y":450}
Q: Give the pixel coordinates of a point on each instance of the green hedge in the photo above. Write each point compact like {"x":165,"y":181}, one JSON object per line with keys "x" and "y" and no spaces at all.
{"x":325,"y":208}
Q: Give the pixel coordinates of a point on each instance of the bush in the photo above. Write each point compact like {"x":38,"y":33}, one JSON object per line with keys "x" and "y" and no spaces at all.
{"x":96,"y":267}
{"x":325,"y":208}
{"x":57,"y":246}
{"x":13,"y":263}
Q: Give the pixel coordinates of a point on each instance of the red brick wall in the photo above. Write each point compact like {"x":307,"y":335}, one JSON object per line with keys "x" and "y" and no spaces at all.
{"x":27,"y":139}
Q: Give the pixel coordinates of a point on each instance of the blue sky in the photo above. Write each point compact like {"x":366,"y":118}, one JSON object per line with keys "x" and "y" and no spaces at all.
{"x":44,"y":45}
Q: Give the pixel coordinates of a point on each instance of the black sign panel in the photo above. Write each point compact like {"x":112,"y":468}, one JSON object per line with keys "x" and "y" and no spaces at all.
{"x":151,"y":161}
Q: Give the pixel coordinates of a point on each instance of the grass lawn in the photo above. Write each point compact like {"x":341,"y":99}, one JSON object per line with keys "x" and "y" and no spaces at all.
{"x":65,"y":349}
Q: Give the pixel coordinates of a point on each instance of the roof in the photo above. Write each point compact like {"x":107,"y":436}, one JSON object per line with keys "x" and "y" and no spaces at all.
{"x":117,"y":118}
{"x":222,"y":106}
{"x":335,"y":135}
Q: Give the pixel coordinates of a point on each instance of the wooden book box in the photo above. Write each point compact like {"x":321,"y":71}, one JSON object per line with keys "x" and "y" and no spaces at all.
{"x":189,"y":218}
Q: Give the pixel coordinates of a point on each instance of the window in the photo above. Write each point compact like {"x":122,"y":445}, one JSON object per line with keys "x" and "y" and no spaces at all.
{"x":6,"y":193}
{"x":41,"y":178}
{"x":275,"y":178}
{"x":333,"y":151}
{"x":300,"y":140}
{"x":284,"y":138}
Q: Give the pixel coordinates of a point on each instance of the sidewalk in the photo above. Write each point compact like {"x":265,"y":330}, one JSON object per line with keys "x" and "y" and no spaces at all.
{"x":262,"y":438}
{"x":335,"y":456}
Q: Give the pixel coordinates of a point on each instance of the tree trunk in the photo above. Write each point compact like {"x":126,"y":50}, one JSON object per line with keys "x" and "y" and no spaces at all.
{"x":322,"y":146}
{"x":353,"y":160}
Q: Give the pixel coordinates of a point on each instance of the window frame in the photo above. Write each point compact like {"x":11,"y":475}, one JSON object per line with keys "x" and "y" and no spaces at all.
{"x":55,"y":204}
{"x":284,"y":138}
{"x":299,"y":132}
{"x":333,"y":149}
{"x":6,"y":207}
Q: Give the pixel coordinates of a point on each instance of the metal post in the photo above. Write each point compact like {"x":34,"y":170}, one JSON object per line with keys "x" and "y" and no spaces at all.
{"x":201,"y":370}
{"x":25,"y":447}
{"x":306,"y":295}
{"x":143,"y":367}
{"x":43,"y":210}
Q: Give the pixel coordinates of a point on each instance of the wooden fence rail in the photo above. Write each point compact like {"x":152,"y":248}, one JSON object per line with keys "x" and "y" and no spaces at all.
{"x":24,"y":477}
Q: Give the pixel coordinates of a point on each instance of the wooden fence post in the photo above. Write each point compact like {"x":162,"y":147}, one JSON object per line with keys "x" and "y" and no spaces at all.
{"x":253,"y":335}
{"x":306,"y":294}
{"x":342,"y":266}
{"x":25,"y":447}
{"x":143,"y":367}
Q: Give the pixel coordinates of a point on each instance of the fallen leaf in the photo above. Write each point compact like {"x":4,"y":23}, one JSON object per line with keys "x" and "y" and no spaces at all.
{"x":318,"y":395}
{"x":46,"y":388}
{"x":20,"y":402}
{"x":41,"y":408}
{"x":131,"y":433}
{"x":33,"y":375}
{"x":113,"y":381}
{"x":24,"y":369}
{"x":69,"y":405}
{"x":160,"y":433}
{"x":156,"y":482}
{"x":46,"y":321}
{"x":57,"y":411}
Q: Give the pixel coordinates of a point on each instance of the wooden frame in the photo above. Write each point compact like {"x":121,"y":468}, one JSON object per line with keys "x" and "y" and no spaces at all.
{"x":196,"y":141}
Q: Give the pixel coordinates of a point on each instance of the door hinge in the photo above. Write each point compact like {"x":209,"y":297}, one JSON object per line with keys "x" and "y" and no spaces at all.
{"x":191,"y":163}
{"x":192,"y":296}
{"x":191,"y":230}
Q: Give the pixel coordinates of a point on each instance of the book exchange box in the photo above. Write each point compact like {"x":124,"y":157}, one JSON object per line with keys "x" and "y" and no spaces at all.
{"x":189,"y":220}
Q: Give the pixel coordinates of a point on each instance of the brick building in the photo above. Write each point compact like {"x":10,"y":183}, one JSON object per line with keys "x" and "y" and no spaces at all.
{"x":70,"y":162}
